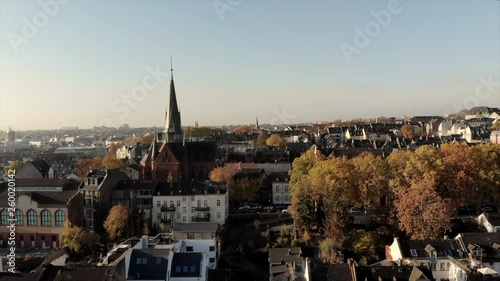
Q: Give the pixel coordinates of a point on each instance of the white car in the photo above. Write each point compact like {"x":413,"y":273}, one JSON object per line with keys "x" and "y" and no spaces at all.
{"x":285,"y":211}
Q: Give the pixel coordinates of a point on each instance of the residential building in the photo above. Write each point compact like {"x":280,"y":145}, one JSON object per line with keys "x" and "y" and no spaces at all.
{"x":281,"y":188}
{"x":434,"y":254}
{"x":200,"y":230}
{"x":42,"y":207}
{"x":135,"y":194}
{"x":96,"y":190}
{"x":37,"y":169}
{"x":190,"y":203}
{"x":288,"y":264}
{"x":490,"y":221}
{"x":483,"y":248}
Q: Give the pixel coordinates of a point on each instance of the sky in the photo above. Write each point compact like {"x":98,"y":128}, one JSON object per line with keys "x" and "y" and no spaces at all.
{"x":107,"y":62}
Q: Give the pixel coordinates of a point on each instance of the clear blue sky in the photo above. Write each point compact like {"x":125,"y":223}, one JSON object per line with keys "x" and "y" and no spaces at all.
{"x":261,"y":58}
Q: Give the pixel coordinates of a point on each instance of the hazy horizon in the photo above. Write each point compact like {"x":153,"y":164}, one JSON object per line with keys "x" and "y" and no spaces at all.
{"x":278,"y":61}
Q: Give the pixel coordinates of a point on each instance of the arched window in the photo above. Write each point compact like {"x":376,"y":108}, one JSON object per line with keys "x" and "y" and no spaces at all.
{"x":60,"y":218}
{"x":31,"y":217}
{"x":4,"y":217}
{"x":19,"y":217}
{"x":45,"y":218}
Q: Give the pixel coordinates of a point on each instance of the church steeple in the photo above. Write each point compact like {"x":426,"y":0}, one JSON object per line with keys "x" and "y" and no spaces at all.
{"x":173,"y":131}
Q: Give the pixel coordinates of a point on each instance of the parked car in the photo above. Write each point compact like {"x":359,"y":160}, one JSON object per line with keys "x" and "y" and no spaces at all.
{"x":355,"y":210}
{"x":285,"y":211}
{"x":245,"y":209}
{"x":256,"y":208}
{"x":269,"y":209}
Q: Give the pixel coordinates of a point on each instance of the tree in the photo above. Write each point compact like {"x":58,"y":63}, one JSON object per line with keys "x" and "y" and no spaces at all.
{"x":422,"y":212}
{"x":459,"y":178}
{"x":424,"y":165}
{"x":244,"y":189}
{"x":77,"y":239}
{"x":85,"y":165}
{"x":14,"y":165}
{"x":111,"y":162}
{"x":487,"y":159}
{"x":328,"y":250}
{"x":363,"y":243}
{"x":276,"y":140}
{"x":261,"y":139}
{"x":408,"y":131}
{"x":243,"y":129}
{"x":397,"y":165}
{"x":371,"y":180}
{"x":117,"y":221}
{"x":220,"y":174}
{"x":495,"y":126}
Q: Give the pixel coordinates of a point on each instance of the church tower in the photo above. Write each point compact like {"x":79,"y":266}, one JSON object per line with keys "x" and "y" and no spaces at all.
{"x":173,"y":130}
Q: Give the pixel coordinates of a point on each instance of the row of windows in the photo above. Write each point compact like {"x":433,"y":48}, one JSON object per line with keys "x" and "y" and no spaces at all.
{"x":32,"y":218}
{"x":171,"y":216}
{"x":165,"y":203}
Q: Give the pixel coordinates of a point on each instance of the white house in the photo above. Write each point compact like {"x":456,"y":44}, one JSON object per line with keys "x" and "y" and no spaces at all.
{"x":281,"y":188}
{"x":491,"y":223}
{"x":196,"y":202}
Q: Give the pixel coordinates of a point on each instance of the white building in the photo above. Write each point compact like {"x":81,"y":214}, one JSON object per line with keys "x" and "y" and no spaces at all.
{"x":191,"y":203}
{"x":491,"y":223}
{"x":281,"y":188}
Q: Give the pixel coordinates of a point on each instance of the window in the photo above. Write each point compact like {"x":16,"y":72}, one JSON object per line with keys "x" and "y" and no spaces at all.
{"x":205,"y":203}
{"x":178,"y":269}
{"x":185,"y":268}
{"x":158,"y":260}
{"x":184,"y":210}
{"x":144,"y":260}
{"x":183,"y":198}
{"x":158,"y":203}
{"x":198,"y":203}
{"x":5,"y":217}
{"x":218,"y":202}
{"x":183,"y":219}
{"x":60,"y":218}
{"x":189,"y":248}
{"x":218,"y":215}
{"x":45,"y":218}
{"x":413,"y":252}
{"x":138,"y":261}
{"x":193,"y":269}
{"x":178,"y":216}
{"x":192,"y":198}
{"x":212,"y":260}
{"x":31,"y":217}
{"x":211,"y":248}
{"x":159,"y":216}
{"x":190,"y":235}
{"x":178,"y":203}
{"x":442,"y":266}
{"x":433,"y":266}
{"x":19,"y":217}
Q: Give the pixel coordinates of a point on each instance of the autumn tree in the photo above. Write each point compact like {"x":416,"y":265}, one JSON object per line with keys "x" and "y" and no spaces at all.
{"x":111,"y":162}
{"x":408,"y":131}
{"x":329,"y":251}
{"x":424,"y":165}
{"x":78,"y":239}
{"x":243,"y":190}
{"x":85,"y":165}
{"x":261,"y":139}
{"x":304,"y":205}
{"x":397,"y":164}
{"x":276,"y":140}
{"x":220,"y":174}
{"x":487,"y":159}
{"x":364,"y":245}
{"x":117,"y":221}
{"x":422,"y":212}
{"x":459,"y":178}
{"x":242,"y":129}
{"x":371,"y":180}
{"x":495,"y":126}
{"x":14,"y":166}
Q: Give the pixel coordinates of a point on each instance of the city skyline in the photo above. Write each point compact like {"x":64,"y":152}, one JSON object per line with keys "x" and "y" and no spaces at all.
{"x":275,"y":61}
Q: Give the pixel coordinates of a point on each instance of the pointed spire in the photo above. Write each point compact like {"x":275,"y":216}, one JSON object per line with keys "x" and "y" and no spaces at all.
{"x":257,"y":122}
{"x":173,"y":131}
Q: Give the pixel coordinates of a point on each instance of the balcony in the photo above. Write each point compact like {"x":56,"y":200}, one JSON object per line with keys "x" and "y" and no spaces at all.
{"x":168,"y":208}
{"x":202,"y":219}
{"x":202,"y":209}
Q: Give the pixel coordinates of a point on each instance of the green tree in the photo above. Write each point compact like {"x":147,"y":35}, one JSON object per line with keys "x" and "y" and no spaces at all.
{"x":117,"y":221}
{"x":276,"y":140}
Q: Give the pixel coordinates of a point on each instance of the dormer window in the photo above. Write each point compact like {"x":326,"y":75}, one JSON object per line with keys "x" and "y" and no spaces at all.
{"x":413,"y":252}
